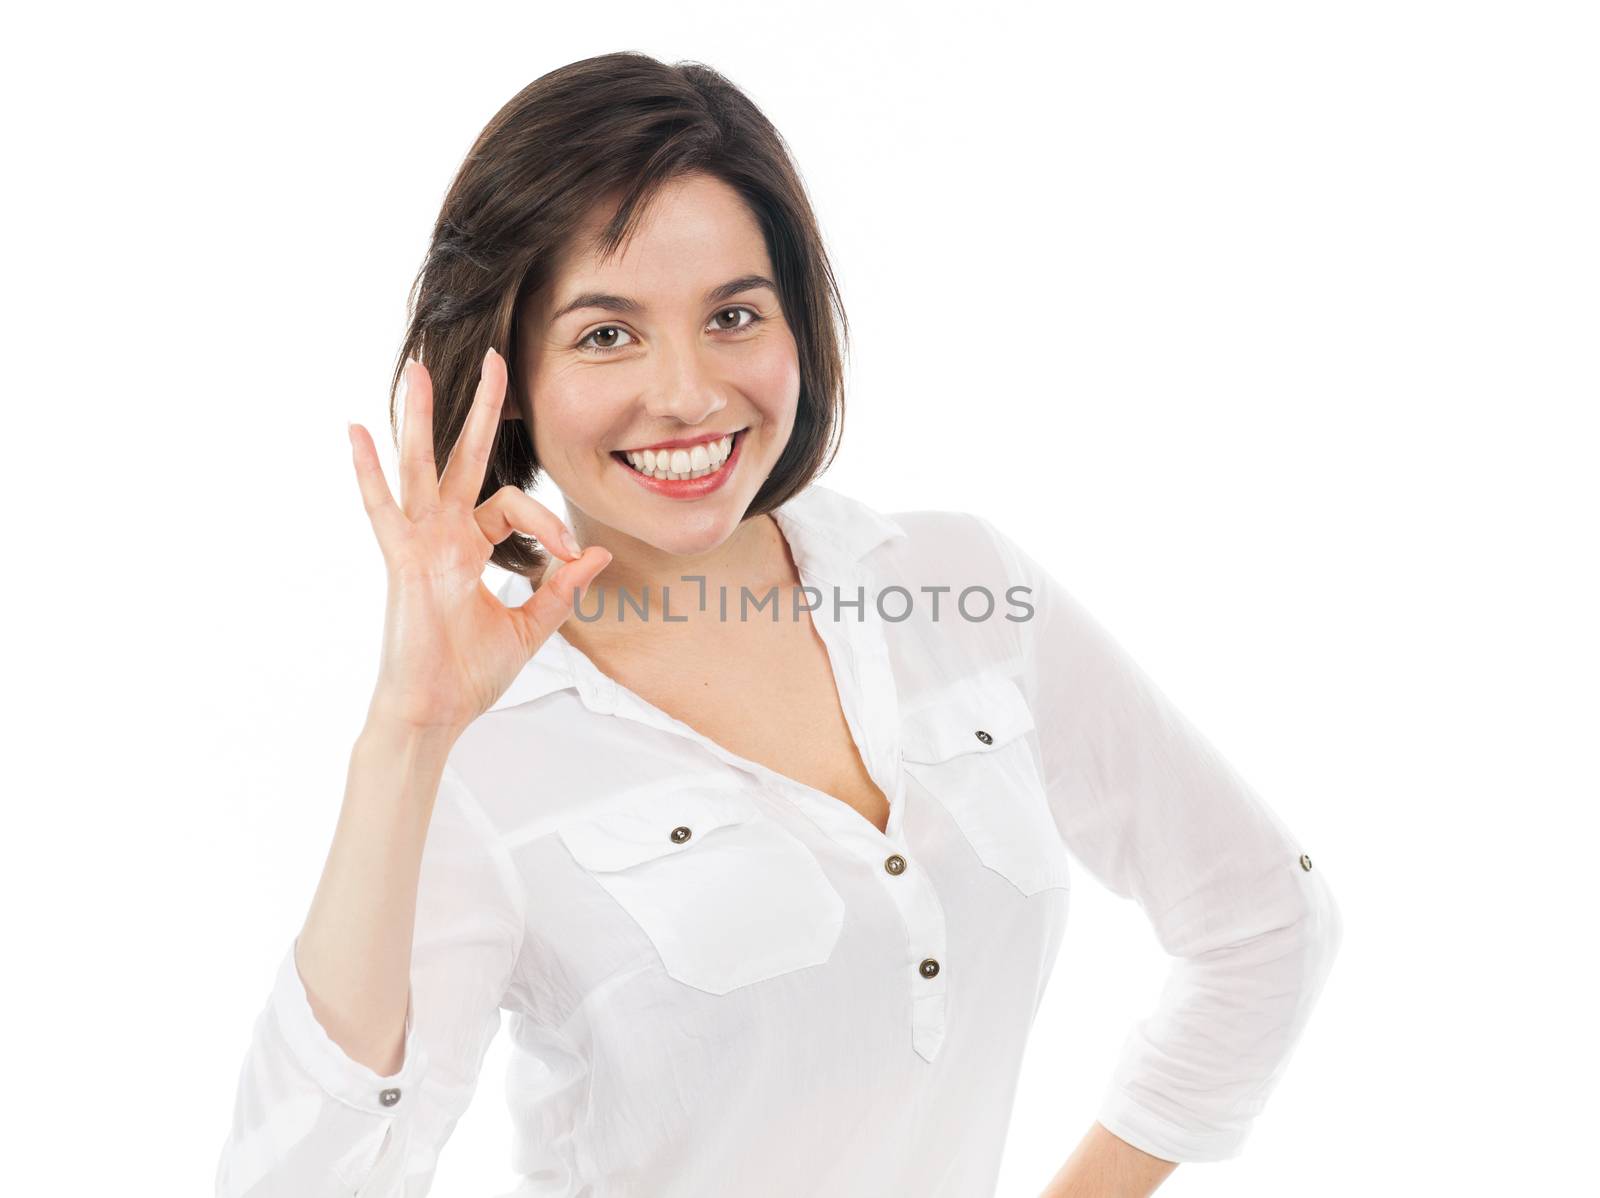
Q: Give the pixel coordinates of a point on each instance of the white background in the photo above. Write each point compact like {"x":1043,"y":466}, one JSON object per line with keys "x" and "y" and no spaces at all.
{"x":1270,"y":328}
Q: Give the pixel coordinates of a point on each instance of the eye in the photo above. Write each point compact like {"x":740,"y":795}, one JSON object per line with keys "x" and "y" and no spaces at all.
{"x":605,"y":328}
{"x":755,"y":317}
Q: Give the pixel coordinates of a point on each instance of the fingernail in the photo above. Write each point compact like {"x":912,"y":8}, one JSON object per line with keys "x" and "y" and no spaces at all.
{"x":488,"y":354}
{"x":570,"y":542}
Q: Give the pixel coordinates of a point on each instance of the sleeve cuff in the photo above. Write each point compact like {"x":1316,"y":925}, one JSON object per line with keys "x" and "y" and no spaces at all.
{"x":1160,"y":1137}
{"x":328,"y":1065}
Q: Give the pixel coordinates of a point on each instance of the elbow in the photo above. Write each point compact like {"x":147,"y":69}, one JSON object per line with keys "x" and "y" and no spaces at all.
{"x":1279,"y":968}
{"x":1292,"y":964}
{"x":1320,"y":931}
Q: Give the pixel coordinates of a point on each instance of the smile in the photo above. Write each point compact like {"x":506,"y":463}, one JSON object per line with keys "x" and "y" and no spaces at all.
{"x":682,"y":462}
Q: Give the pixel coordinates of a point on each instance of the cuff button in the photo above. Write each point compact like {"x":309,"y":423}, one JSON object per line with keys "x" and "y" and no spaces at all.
{"x":389,"y":1097}
{"x":984,"y":737}
{"x":1305,"y":862}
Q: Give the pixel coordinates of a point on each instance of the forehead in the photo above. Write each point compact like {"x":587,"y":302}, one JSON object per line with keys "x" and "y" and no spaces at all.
{"x":693,"y":230}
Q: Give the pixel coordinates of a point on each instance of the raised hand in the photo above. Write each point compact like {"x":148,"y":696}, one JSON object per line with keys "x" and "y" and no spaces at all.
{"x":450,"y":647}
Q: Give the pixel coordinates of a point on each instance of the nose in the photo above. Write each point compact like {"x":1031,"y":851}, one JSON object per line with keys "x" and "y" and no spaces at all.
{"x":684,"y":390}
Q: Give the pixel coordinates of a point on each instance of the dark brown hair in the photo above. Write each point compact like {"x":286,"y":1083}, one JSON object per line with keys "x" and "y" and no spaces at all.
{"x":616,"y":125}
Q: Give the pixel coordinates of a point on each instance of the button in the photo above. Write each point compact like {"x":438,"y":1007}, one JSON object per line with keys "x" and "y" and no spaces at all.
{"x":895,"y":863}
{"x":929,"y":968}
{"x":680,"y":834}
{"x":389,"y":1097}
{"x":1305,"y":862}
{"x":984,"y":736}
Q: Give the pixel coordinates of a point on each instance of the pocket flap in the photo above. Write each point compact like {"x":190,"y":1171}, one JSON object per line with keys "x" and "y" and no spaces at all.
{"x":627,"y":834}
{"x":977,"y":715}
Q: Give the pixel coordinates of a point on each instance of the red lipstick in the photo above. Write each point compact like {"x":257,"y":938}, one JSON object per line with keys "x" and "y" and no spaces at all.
{"x":686,"y":488}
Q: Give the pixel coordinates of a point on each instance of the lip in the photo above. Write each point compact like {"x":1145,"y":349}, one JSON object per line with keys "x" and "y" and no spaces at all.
{"x":683,"y":442}
{"x":686,"y":488}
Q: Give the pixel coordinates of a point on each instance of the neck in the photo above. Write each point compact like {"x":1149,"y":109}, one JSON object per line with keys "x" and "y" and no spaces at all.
{"x":755,"y":555}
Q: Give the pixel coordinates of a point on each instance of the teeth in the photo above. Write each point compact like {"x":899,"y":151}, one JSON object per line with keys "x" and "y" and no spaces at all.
{"x":694,"y":462}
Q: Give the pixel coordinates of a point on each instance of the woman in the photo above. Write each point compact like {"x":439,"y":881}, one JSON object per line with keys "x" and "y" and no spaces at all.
{"x":764,"y":845}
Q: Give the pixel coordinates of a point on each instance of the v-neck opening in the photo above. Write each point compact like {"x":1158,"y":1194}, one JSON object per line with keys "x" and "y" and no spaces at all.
{"x":860,"y":736}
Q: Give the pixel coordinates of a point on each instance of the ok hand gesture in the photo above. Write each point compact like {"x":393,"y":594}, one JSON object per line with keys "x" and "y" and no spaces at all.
{"x":450,"y":647}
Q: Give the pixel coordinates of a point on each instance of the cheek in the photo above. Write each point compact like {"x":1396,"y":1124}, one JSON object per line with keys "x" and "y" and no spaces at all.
{"x":771,"y":378}
{"x":573,"y":417}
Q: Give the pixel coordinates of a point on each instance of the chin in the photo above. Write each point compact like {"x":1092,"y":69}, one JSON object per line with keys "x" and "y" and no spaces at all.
{"x":693,"y":533}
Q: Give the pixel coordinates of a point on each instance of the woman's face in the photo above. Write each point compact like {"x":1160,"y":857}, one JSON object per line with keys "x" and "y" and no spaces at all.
{"x":673,"y":346}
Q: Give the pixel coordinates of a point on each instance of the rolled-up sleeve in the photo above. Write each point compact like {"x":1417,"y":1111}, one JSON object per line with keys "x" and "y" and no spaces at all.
{"x":308,"y":1120}
{"x":1154,"y":812}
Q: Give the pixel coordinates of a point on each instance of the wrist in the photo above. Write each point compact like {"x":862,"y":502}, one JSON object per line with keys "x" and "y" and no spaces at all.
{"x":387,"y":738}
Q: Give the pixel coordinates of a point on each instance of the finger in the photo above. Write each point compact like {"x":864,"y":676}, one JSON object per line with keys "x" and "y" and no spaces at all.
{"x":511,"y":509}
{"x":419,"y":475}
{"x":463,"y":474}
{"x":552,"y":603}
{"x":388,"y":521}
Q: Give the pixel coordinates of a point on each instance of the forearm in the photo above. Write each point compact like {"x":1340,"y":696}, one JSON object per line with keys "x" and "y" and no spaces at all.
{"x":354,"y":950}
{"x":1106,"y":1166}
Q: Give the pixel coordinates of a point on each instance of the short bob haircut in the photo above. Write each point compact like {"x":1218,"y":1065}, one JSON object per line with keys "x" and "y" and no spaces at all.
{"x":616,"y":125}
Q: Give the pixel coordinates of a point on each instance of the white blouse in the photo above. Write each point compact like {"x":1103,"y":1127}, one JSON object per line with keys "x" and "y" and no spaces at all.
{"x":722,"y":981}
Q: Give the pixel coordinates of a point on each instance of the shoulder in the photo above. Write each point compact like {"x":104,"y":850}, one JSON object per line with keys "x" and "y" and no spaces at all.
{"x":951,"y":593}
{"x":948,"y":546}
{"x":898,"y":538}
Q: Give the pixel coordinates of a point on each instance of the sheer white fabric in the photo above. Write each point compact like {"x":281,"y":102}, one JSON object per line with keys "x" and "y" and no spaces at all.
{"x":721,"y":981}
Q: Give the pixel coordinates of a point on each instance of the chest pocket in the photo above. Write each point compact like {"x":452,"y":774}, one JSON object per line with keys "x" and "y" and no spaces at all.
{"x":970,"y":749}
{"x":725,"y":894}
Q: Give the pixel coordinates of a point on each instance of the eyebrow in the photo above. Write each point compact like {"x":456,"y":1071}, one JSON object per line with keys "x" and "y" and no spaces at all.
{"x":632,"y":307}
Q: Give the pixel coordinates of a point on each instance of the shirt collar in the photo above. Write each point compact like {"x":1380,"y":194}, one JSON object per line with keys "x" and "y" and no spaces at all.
{"x":828,"y":534}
